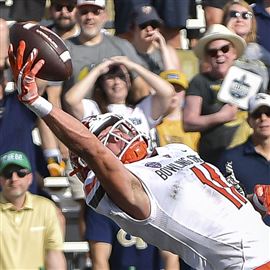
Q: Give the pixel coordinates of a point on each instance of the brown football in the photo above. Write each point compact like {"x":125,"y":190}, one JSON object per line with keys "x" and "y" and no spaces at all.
{"x":51,"y":48}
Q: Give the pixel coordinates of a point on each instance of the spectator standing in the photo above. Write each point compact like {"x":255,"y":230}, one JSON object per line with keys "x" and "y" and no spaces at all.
{"x":15,"y":119}
{"x":23,"y":123}
{"x":219,"y":48}
{"x":174,"y":14}
{"x":251,"y":160}
{"x":213,"y":11}
{"x":31,"y":237}
{"x":262,"y":13}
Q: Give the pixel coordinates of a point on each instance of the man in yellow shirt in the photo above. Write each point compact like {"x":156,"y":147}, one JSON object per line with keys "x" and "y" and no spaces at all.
{"x":30,"y":234}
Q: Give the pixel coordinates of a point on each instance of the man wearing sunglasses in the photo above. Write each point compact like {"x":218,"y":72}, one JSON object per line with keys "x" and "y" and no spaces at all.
{"x":30,"y":233}
{"x":250,"y":160}
{"x":62,"y":13}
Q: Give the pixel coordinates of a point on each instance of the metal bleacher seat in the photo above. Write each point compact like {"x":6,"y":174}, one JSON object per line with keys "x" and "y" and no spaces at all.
{"x":188,"y":60}
{"x":74,"y":248}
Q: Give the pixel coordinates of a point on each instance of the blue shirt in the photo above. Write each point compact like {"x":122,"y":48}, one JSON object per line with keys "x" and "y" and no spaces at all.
{"x":249,"y":167}
{"x":16,"y":125}
{"x":128,"y":252}
{"x":263,"y":25}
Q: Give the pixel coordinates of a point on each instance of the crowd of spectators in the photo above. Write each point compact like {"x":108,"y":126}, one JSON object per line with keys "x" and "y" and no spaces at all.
{"x":136,"y":71}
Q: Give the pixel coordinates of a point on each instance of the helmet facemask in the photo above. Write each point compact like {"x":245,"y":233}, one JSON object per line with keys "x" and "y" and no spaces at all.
{"x":134,"y":146}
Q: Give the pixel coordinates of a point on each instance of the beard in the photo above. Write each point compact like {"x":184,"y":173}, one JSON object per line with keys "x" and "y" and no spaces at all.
{"x":59,"y":26}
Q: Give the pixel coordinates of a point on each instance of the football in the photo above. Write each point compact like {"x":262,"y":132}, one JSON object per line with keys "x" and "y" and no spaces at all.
{"x":51,"y":48}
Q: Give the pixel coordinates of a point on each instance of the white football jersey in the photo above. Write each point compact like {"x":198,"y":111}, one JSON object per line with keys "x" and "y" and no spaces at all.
{"x":195,"y":212}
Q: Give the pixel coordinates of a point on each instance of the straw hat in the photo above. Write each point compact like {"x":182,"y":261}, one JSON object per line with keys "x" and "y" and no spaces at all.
{"x":219,"y":31}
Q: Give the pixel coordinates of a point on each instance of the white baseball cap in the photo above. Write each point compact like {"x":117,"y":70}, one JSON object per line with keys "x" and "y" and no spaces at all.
{"x":258,"y":100}
{"x":99,"y":3}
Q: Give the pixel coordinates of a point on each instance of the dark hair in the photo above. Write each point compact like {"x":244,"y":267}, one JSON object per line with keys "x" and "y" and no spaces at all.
{"x":99,"y":94}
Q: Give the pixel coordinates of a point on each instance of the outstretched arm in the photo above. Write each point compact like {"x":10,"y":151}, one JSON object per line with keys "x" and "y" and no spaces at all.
{"x":122,"y":187}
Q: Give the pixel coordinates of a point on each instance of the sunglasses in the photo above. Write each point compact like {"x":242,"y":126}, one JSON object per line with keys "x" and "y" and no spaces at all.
{"x":257,"y":114}
{"x":246,"y":15}
{"x":214,"y":52}
{"x":153,"y":24}
{"x":20,"y":172}
{"x":59,"y":7}
{"x":95,"y":10}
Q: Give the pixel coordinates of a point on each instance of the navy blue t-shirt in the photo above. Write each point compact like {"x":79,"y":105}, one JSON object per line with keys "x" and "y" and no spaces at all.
{"x":263,"y":25}
{"x":16,"y":125}
{"x":249,"y":167}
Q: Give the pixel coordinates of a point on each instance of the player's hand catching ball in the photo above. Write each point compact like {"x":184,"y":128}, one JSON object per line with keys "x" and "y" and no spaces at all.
{"x":25,"y":73}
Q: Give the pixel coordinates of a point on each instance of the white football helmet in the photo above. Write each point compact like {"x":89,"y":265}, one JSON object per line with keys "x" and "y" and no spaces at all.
{"x":135,"y":148}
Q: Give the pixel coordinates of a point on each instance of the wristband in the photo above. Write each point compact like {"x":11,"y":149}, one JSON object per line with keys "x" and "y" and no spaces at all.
{"x":41,"y":107}
{"x":257,"y":203}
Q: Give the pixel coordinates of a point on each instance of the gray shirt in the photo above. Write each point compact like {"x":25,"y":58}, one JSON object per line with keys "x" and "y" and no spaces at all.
{"x":153,"y":61}
{"x":85,"y":57}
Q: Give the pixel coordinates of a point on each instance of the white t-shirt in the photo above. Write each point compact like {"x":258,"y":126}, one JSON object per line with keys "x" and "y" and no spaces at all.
{"x":195,"y":212}
{"x":90,"y":108}
{"x":140,"y":115}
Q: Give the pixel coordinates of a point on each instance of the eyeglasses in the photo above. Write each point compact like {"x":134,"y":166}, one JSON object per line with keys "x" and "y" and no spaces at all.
{"x":246,"y":15}
{"x":257,"y":114}
{"x":95,"y":10}
{"x":20,"y":172}
{"x":59,"y":7}
{"x":153,"y":24}
{"x":214,"y":52}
